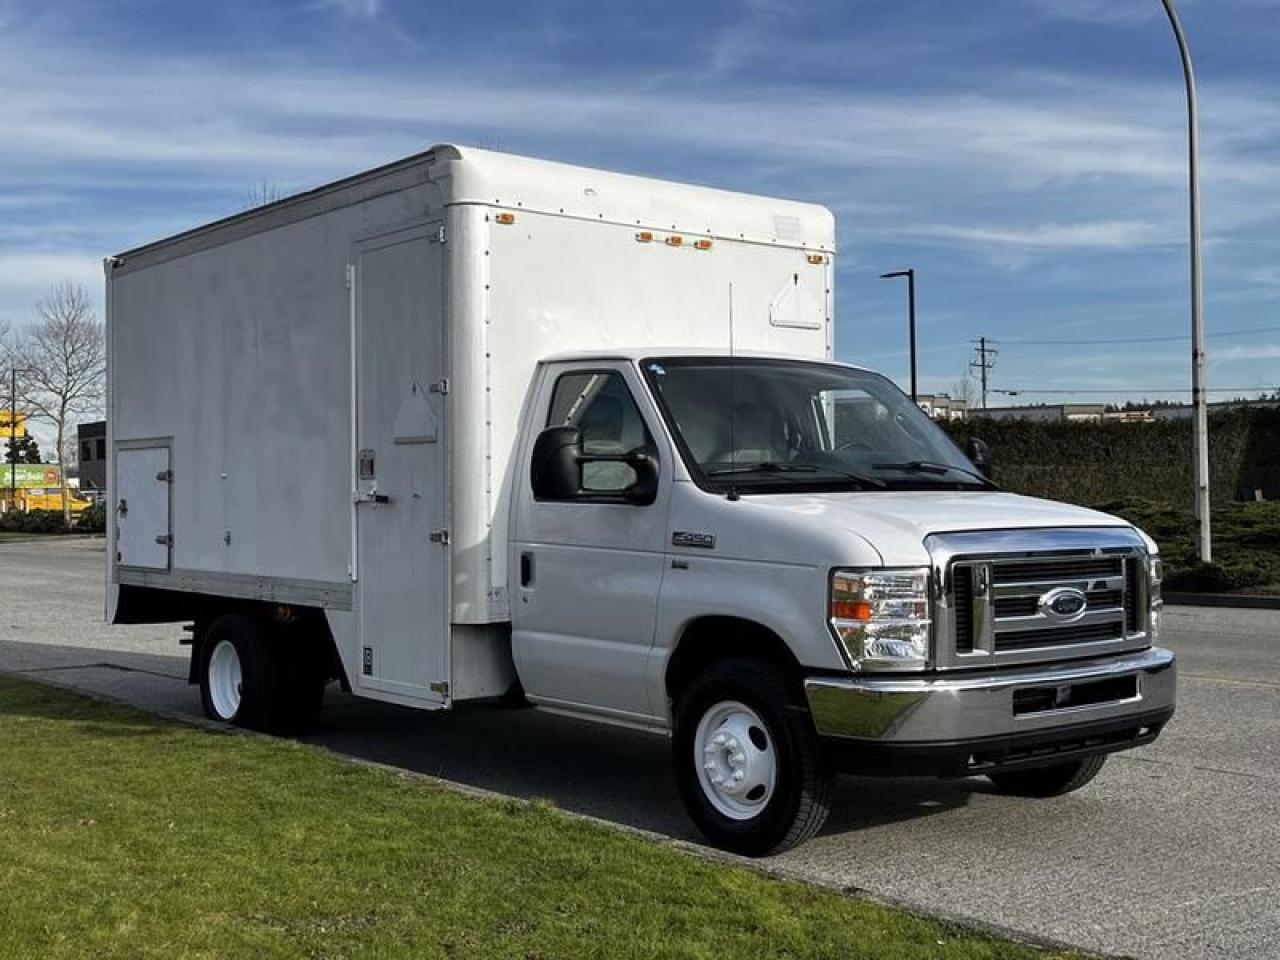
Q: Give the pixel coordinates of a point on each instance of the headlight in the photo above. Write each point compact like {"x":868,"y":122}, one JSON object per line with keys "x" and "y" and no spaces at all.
{"x":882,"y":617}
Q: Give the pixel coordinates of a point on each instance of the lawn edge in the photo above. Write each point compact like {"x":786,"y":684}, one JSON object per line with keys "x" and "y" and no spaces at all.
{"x":707,"y":854}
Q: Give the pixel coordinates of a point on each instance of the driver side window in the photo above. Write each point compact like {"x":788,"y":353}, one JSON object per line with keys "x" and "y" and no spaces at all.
{"x":599,"y":403}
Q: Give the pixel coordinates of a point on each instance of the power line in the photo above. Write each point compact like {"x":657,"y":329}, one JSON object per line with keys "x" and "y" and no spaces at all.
{"x":1066,"y":343}
{"x":984,"y":363}
{"x":1133,"y":391}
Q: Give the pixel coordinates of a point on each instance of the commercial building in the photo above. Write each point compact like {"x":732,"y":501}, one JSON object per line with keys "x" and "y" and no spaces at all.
{"x":91,"y":443}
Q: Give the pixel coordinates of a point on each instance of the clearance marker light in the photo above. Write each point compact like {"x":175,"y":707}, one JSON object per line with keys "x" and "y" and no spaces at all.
{"x":644,"y":236}
{"x":817,"y":258}
{"x":675,"y":241}
{"x":703,"y":244}
{"x":505,"y":218}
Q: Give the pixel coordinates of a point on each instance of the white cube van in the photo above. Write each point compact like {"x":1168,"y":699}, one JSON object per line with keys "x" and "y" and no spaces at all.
{"x":478,"y":427}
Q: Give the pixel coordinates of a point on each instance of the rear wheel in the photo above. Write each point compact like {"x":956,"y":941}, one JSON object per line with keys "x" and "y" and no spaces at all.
{"x":748,"y":761}
{"x":1051,"y":781}
{"x":254,"y":675}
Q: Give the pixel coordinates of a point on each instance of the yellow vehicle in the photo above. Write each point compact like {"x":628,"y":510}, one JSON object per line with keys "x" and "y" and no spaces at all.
{"x":50,"y":498}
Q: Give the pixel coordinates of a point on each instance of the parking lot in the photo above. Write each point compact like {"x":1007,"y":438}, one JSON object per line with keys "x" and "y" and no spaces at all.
{"x":1172,"y":852}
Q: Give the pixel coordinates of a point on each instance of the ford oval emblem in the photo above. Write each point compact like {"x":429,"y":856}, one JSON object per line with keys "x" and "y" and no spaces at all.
{"x":1064,"y":603}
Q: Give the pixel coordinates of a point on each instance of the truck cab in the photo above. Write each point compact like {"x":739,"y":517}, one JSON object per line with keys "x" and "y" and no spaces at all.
{"x":788,"y":567}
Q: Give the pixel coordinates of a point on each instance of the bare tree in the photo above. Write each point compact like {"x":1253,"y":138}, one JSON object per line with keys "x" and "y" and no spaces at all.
{"x":64,"y":357}
{"x":964,"y":389}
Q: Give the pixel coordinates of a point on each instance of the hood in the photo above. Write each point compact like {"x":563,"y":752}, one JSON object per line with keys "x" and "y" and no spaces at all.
{"x":896,"y":523}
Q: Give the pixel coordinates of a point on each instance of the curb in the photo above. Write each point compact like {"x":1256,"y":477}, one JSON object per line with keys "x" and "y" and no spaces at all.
{"x":773,"y":871}
{"x":1243,"y":601}
{"x":52,"y":537}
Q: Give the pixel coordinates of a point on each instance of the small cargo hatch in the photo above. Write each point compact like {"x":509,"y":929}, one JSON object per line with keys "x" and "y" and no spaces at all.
{"x":144,"y":478}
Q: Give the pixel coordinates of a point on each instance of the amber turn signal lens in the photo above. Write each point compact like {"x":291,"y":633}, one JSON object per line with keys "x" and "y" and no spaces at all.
{"x":851,"y":609}
{"x":505,"y":218}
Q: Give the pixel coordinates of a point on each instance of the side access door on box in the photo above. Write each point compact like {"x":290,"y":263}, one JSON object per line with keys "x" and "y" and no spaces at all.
{"x":400,"y":475}
{"x":144,"y":518}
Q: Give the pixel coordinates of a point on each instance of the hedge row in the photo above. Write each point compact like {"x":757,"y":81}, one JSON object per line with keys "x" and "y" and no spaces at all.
{"x":1091,"y":463}
{"x":93,"y":520}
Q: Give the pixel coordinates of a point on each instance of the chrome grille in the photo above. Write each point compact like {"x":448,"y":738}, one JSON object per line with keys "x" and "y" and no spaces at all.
{"x":1086,"y":598}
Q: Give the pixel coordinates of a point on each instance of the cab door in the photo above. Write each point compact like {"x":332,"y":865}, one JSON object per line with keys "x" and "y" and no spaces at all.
{"x":587,"y":571}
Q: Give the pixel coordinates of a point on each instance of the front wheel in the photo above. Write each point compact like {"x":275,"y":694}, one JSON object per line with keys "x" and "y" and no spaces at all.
{"x":747,"y":759}
{"x":1051,"y":781}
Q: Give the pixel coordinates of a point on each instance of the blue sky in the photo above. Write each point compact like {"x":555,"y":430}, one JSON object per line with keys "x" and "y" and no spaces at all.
{"x":1027,"y":157}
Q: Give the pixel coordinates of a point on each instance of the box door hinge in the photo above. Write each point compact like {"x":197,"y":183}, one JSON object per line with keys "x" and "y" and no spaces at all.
{"x":439,"y":235}
{"x":351,"y":275}
{"x":165,"y":476}
{"x":441,"y":687}
{"x":440,"y":387}
{"x":440,"y":536}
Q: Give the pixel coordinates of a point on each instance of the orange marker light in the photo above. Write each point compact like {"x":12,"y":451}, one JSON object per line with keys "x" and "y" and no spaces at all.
{"x":703,"y":244}
{"x":505,"y":218}
{"x":851,"y":609}
{"x":817,"y":258}
{"x":675,"y":241}
{"x":644,"y":236}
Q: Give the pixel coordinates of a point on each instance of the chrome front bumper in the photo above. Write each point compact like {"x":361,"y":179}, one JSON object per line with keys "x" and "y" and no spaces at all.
{"x":1022,"y":706}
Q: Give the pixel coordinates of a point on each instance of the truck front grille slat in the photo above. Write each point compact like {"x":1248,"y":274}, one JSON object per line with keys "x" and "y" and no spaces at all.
{"x":1132,"y":615}
{"x":1059,"y":569}
{"x":1058,"y":636}
{"x":964,"y":609}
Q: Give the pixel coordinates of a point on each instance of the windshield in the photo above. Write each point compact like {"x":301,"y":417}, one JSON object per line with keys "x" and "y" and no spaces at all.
{"x":757,"y":425}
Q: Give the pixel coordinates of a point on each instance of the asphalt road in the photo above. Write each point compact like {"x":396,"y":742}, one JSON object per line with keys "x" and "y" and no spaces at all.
{"x":1173,"y":852}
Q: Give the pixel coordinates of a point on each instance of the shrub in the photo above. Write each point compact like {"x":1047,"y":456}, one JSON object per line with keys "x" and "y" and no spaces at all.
{"x":93,"y":520}
{"x":35,"y":521}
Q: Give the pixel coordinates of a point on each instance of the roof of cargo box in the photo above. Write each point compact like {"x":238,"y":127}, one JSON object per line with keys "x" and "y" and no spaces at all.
{"x":473,"y":176}
{"x":506,"y":180}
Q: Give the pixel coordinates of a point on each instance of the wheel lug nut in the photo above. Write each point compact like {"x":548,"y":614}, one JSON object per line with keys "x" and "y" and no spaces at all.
{"x":738,"y":758}
{"x":738,"y":776}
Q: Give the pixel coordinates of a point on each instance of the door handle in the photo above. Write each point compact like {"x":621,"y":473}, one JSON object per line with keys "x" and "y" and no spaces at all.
{"x":526,"y":569}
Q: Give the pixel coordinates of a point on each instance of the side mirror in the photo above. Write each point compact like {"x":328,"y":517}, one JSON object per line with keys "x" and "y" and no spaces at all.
{"x":979,"y":453}
{"x":555,"y":471}
{"x":644,"y":490}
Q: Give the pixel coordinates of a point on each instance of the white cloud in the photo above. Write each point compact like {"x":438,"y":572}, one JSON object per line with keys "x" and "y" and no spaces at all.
{"x":354,"y":9}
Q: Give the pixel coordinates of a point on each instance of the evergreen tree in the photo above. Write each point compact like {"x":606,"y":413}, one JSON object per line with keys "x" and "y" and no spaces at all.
{"x":23,"y":449}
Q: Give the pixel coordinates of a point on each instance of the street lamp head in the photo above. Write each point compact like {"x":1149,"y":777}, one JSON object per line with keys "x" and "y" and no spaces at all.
{"x":896,"y":273}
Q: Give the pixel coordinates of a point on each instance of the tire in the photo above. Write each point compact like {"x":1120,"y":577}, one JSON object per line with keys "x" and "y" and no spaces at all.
{"x":252,"y":675}
{"x":1054,"y":781}
{"x":740,"y":716}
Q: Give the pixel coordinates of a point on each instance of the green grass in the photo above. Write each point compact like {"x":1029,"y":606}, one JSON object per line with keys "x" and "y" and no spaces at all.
{"x":122,"y":835}
{"x":1246,"y":544}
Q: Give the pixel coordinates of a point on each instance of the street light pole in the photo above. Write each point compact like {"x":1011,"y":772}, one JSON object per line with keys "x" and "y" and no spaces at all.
{"x":1200,"y":409}
{"x":911,"y":317}
{"x":13,"y":435}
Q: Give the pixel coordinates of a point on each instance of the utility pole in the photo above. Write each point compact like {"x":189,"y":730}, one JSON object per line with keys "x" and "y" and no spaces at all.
{"x":984,"y":362}
{"x":911,"y":318}
{"x":1200,"y":420}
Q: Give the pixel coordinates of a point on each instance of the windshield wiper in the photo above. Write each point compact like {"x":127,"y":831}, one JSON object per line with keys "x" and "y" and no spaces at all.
{"x":937,"y":468}
{"x":775,"y":466}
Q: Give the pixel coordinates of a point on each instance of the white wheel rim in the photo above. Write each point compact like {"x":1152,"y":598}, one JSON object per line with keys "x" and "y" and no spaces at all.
{"x":734,"y":755}
{"x":225,"y":679}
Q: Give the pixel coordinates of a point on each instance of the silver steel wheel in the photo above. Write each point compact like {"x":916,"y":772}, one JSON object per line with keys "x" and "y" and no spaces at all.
{"x":734,"y":755}
{"x":225,"y":679}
